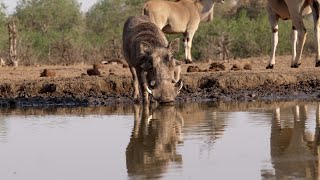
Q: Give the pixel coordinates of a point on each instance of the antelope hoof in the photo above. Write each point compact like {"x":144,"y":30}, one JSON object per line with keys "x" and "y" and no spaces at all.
{"x":296,"y":65}
{"x":270,"y":66}
{"x":188,"y":61}
{"x":318,"y":63}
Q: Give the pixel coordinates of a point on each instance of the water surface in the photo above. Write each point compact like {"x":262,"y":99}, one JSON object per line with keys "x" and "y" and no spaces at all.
{"x":256,"y":140}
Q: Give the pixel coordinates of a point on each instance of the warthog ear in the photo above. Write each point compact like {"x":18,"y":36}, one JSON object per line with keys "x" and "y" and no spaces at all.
{"x":144,"y":48}
{"x":174,"y":45}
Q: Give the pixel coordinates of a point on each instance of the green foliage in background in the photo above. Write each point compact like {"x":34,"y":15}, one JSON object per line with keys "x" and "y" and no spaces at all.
{"x":247,"y":37}
{"x":57,"y":32}
{"x":49,"y":30}
{"x":3,"y":31}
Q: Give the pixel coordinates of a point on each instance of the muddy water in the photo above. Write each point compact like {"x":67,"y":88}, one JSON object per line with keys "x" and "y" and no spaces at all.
{"x":187,"y":141}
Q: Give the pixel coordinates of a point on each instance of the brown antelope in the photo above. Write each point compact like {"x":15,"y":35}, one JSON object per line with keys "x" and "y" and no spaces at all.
{"x":181,"y":16}
{"x":294,"y":10}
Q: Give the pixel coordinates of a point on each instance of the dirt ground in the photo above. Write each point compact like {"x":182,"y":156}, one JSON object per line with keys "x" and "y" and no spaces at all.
{"x":23,"y":86}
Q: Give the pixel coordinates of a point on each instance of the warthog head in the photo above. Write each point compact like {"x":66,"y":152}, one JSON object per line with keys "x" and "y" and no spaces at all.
{"x":162,"y":71}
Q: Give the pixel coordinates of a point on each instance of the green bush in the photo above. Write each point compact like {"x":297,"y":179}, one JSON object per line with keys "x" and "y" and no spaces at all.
{"x":56,"y":32}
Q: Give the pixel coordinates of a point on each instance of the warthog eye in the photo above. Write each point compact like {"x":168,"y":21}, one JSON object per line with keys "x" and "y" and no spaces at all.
{"x":148,"y":63}
{"x":152,"y":83}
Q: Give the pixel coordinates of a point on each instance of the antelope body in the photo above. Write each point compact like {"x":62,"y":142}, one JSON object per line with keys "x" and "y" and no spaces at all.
{"x":182,"y":16}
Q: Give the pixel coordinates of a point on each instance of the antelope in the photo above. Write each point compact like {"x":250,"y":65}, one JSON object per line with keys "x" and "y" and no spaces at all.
{"x":294,"y":10}
{"x":181,"y":16}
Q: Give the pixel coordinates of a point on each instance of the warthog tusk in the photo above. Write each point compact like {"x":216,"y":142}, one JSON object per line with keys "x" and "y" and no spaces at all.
{"x":149,"y":90}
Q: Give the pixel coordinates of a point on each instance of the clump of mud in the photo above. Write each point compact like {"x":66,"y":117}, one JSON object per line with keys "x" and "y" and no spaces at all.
{"x":217,"y":67}
{"x":48,"y":73}
{"x":194,"y":69}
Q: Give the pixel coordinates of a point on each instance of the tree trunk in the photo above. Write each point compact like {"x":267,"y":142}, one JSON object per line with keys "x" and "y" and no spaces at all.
{"x":13,"y":43}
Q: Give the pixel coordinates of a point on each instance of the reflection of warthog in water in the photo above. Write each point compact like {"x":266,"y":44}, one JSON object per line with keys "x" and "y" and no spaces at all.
{"x":295,"y":152}
{"x":153,"y":141}
{"x":150,"y":58}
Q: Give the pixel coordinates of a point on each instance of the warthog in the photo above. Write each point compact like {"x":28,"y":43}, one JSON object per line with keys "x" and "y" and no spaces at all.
{"x":150,"y":59}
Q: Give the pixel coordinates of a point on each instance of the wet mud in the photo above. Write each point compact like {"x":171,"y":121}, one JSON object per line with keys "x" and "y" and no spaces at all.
{"x":23,"y":86}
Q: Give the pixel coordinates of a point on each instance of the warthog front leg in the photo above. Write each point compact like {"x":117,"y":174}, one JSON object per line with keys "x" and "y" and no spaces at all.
{"x":143,"y":86}
{"x":135,"y":85}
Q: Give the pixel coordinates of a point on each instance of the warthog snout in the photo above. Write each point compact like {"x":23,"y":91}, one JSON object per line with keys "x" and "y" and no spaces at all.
{"x":168,"y":91}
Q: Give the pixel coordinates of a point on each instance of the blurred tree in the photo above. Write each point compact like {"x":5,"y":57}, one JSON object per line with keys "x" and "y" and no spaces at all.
{"x":52,"y":28}
{"x":3,"y":31}
{"x":104,"y":24}
{"x":55,"y":31}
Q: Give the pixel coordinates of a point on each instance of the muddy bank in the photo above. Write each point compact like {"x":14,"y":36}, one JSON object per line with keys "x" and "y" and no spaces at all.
{"x":243,"y":85}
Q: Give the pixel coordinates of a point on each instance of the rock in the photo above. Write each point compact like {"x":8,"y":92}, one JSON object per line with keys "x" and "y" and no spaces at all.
{"x":193,"y":69}
{"x":247,"y":67}
{"x":236,"y":67}
{"x":93,"y":72}
{"x":125,"y":66}
{"x":48,"y":73}
{"x":217,"y":66}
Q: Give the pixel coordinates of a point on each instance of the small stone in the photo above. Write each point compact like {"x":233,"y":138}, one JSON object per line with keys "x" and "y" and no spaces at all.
{"x":48,"y":73}
{"x":93,"y":72}
{"x":236,"y":67}
{"x":193,"y":69}
{"x":248,"y":67}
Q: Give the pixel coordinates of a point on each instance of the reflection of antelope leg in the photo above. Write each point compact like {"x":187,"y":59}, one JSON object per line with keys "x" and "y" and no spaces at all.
{"x":277,"y":116}
{"x":318,"y":115}
{"x":316,"y":142}
{"x":296,"y":113}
